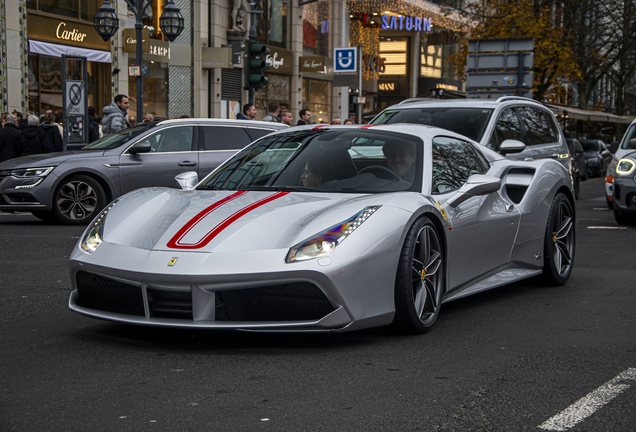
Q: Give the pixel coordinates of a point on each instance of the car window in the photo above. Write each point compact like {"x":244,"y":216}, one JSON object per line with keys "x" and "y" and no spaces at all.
{"x":224,"y":138}
{"x":171,"y":139}
{"x":454,"y":161}
{"x":590,"y":146}
{"x":260,"y":133}
{"x":579,"y":147}
{"x":118,"y":138}
{"x":536,"y":126}
{"x":507,"y":127}
{"x":630,"y":134}
{"x":470,"y":122}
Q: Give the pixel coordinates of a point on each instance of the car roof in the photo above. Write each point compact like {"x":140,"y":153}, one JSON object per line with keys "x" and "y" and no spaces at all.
{"x":464,"y":103}
{"x":215,"y":121}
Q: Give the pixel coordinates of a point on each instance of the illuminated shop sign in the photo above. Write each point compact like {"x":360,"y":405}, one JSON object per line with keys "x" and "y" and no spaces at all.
{"x":374,"y":63}
{"x":394,"y":22}
{"x":386,"y":86}
{"x":405,"y":23}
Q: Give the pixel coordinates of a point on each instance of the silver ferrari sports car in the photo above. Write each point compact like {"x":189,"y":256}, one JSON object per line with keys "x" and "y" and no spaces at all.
{"x":328,"y":229}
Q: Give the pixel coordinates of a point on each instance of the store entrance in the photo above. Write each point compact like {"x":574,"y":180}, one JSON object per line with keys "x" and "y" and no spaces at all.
{"x":394,"y":83}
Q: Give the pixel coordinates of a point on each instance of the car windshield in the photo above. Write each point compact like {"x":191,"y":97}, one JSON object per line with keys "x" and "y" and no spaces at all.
{"x":631,"y":134}
{"x":470,"y":122}
{"x":322,"y":160}
{"x":118,"y":138}
{"x":590,"y":146}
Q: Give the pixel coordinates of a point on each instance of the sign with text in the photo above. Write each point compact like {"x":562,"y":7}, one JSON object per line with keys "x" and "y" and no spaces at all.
{"x":313,"y":63}
{"x":280,"y":61}
{"x":157,"y":50}
{"x":345,"y":60}
{"x":64,"y":32}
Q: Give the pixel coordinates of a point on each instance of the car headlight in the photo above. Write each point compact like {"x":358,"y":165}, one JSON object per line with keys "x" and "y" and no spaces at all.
{"x":323,"y":243}
{"x":94,"y":234}
{"x":31,"y":172}
{"x":625,"y":166}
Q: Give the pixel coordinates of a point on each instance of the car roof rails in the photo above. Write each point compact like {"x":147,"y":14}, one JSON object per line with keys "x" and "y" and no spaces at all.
{"x":411,"y":100}
{"x":507,"y":98}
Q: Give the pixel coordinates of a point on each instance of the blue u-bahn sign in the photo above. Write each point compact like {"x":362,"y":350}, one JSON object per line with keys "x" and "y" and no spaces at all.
{"x":345,"y":60}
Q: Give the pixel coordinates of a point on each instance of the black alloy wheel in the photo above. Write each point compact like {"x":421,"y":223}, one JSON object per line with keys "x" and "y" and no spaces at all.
{"x":559,"y":242}
{"x":78,"y":199}
{"x":419,"y":283}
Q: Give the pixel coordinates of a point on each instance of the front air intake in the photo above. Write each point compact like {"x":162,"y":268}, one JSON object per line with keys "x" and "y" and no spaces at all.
{"x":109,"y":295}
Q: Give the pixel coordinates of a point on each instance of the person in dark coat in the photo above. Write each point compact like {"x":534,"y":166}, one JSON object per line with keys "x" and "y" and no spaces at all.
{"x":34,"y":140}
{"x":305,"y":117}
{"x":22,"y":122}
{"x":93,"y":126}
{"x":52,"y":132}
{"x":10,"y":139}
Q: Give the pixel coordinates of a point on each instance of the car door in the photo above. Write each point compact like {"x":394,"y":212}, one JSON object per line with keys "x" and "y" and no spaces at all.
{"x":508,"y":126}
{"x":483,"y":227}
{"x":218,"y":143}
{"x":171,"y":153}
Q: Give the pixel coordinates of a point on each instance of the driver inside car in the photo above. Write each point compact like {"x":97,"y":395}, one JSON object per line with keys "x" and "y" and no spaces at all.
{"x":317,"y":171}
{"x":400,"y":158}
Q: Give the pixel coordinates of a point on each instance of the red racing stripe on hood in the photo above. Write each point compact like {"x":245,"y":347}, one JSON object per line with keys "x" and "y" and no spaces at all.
{"x":175,"y":242}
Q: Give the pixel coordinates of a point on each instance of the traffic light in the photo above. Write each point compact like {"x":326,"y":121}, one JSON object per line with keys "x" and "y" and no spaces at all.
{"x":255,"y":65}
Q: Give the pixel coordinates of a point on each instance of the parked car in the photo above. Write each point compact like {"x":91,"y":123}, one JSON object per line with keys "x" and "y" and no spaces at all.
{"x":597,"y":156}
{"x":300,"y":232}
{"x":74,"y":186}
{"x":520,"y":128}
{"x":627,"y":145}
{"x":579,"y":165}
{"x":624,"y":202}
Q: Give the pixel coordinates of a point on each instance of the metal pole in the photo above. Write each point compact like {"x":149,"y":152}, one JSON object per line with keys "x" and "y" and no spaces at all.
{"x":520,"y":74}
{"x":139,"y":61}
{"x":252,"y":37}
{"x":359,"y":107}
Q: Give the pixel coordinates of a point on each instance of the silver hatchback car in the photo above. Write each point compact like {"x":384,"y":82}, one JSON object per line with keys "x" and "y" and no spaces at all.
{"x":519,"y":128}
{"x":74,"y":186}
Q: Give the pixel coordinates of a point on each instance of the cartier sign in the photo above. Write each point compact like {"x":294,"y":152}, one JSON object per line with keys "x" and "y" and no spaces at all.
{"x":67,"y":32}
{"x":153,"y":49}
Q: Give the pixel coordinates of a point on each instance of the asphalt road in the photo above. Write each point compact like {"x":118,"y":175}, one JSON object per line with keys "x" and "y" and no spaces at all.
{"x":505,"y":360}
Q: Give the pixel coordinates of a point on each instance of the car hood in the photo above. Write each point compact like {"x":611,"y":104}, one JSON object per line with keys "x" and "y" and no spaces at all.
{"x":48,"y":159}
{"x":225,"y":221}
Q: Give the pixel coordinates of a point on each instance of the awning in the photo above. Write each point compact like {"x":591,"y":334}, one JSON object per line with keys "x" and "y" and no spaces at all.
{"x":56,"y":50}
{"x":588,"y":115}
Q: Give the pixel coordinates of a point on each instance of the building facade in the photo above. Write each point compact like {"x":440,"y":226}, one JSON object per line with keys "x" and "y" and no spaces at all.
{"x":200,"y":74}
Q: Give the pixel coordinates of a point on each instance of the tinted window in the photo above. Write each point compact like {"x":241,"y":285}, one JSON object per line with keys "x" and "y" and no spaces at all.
{"x":171,"y":139}
{"x":118,"y":138}
{"x":508,"y":127}
{"x":537,"y":128}
{"x":470,"y":122}
{"x":631,"y":134}
{"x":453,"y":162}
{"x":224,"y":138}
{"x":260,"y":133}
{"x":590,"y":146}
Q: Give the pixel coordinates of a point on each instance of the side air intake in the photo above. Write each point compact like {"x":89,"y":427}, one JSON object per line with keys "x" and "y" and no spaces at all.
{"x":517,"y":182}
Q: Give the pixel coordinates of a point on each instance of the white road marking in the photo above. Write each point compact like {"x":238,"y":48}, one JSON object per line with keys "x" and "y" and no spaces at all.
{"x":587,"y":405}
{"x":607,"y":227}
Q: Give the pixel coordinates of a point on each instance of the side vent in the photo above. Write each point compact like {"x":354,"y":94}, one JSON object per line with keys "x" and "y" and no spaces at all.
{"x":517,"y":182}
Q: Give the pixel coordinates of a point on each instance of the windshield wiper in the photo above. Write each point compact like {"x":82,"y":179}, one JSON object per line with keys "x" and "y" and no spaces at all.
{"x":210,"y":187}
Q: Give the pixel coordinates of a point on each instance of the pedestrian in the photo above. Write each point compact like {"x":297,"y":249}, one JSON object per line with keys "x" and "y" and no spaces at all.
{"x":132,"y":120}
{"x":147,"y":118}
{"x":34,"y":139}
{"x":305,"y":117}
{"x":4,"y":119}
{"x":98,"y":120}
{"x":272,"y":113}
{"x":93,"y":126}
{"x":336,"y":121}
{"x":10,"y":139}
{"x":22,"y":123}
{"x":52,"y":132}
{"x":249,"y":112}
{"x":286,"y":117}
{"x":115,"y":115}
{"x":348,"y":121}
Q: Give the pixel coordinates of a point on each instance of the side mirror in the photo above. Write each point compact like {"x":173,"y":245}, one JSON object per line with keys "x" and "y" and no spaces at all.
{"x":632,"y":143}
{"x":140,"y":147}
{"x":511,"y":146}
{"x":477,"y":184}
{"x":187,"y":180}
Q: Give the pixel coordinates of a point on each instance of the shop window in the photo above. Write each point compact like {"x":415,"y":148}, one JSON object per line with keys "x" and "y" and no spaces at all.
{"x":271,"y":25}
{"x":431,"y":61}
{"x":317,"y":98}
{"x":395,"y":54}
{"x":155,"y":90}
{"x":278,"y":90}
{"x":316,"y":28}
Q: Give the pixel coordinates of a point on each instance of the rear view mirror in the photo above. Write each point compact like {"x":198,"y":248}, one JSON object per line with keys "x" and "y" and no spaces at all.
{"x":477,"y":184}
{"x":511,"y":146}
{"x":632,"y":143}
{"x":187,"y":180}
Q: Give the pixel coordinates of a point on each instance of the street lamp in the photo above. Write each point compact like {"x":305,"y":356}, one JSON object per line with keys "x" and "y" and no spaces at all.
{"x":171,"y":23}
